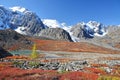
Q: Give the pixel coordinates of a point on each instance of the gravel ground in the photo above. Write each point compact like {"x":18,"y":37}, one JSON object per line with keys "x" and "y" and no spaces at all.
{"x":90,"y":57}
{"x":72,"y":61}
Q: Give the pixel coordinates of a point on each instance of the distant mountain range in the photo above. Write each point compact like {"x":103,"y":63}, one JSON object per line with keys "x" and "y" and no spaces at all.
{"x":28,"y":23}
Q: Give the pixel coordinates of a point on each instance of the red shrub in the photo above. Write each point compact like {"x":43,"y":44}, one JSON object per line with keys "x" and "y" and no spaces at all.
{"x":95,"y":70}
{"x":79,"y":76}
{"x":10,"y":73}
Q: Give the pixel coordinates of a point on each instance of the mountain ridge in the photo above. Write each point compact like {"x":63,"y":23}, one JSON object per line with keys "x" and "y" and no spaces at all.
{"x":25,"y":22}
{"x":28,"y":23}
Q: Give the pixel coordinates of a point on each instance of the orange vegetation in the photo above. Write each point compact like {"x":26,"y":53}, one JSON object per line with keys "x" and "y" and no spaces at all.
{"x":110,"y":58}
{"x":18,"y":46}
{"x":10,"y":73}
{"x":17,"y":57}
{"x":79,"y":76}
{"x":99,"y":65}
{"x":57,"y":60}
{"x":117,"y":45}
{"x":51,"y":45}
{"x":95,"y":70}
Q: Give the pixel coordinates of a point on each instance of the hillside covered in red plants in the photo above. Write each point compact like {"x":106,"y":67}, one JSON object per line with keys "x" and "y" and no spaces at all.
{"x":51,"y":45}
{"x":9,"y":72}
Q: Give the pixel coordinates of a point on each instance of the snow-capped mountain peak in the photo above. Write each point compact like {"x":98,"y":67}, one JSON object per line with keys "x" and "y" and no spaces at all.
{"x":51,"y":23}
{"x":90,"y":29}
{"x":18,"y":8}
{"x":21,"y":20}
{"x":97,"y":28}
{"x":93,"y":24}
{"x":26,"y":22}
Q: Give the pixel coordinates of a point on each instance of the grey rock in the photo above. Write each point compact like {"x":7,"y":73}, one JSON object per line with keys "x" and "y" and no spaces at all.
{"x":55,"y":34}
{"x":88,"y":30}
{"x":4,"y":53}
{"x":9,"y":37}
{"x":109,"y":40}
{"x":77,"y":30}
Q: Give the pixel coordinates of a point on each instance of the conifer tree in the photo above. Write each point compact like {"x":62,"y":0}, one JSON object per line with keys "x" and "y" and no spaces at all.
{"x":34,"y":54}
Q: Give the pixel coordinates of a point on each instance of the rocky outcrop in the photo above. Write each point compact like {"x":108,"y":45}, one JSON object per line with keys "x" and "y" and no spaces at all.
{"x":9,"y":38}
{"x":55,"y":34}
{"x":4,"y":53}
{"x":77,"y":31}
{"x":70,"y":66}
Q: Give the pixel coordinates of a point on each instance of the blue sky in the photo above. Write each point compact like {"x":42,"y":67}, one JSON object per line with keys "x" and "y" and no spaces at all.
{"x":72,"y":11}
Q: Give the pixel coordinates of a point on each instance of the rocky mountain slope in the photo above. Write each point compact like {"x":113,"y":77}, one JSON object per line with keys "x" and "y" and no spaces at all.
{"x":9,"y":39}
{"x":109,"y":37}
{"x":28,"y":23}
{"x":92,"y":32}
{"x":20,"y":20}
{"x":88,"y":30}
{"x":4,"y":53}
{"x":55,"y":34}
{"x":51,"y":45}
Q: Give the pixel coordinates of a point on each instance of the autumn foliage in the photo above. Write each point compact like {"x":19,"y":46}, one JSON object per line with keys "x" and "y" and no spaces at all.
{"x":9,"y":73}
{"x":79,"y":76}
{"x":95,"y":70}
{"x":51,"y":45}
{"x":34,"y":54}
{"x":17,"y":57}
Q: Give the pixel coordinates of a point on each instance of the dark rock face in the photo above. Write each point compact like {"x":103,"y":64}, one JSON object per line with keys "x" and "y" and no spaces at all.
{"x":4,"y":53}
{"x":9,"y":34}
{"x":27,"y":22}
{"x":55,"y":34}
{"x":9,"y":38}
{"x":4,"y":17}
{"x":82,"y":31}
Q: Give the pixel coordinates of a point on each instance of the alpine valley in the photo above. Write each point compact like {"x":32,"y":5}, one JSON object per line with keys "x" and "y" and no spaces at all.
{"x":26,"y":22}
{"x":85,"y":48}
